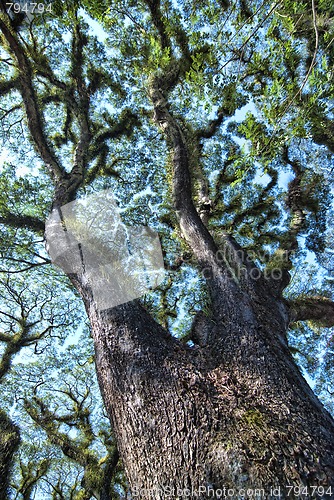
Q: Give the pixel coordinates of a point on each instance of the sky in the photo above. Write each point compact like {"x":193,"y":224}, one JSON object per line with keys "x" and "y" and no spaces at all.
{"x":284,"y":179}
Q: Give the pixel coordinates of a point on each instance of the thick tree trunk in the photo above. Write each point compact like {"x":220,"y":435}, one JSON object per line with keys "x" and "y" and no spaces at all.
{"x":235,"y":414}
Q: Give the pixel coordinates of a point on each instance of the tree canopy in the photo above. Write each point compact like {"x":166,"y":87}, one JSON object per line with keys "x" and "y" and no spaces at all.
{"x":212,"y":124}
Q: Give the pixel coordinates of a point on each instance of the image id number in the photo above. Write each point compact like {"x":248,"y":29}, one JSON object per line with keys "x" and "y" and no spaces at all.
{"x":28,"y":8}
{"x":309,"y":491}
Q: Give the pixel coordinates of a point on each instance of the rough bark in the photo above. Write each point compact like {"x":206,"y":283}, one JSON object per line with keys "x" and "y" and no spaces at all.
{"x":9,"y":441}
{"x":232,"y":413}
{"x":237,"y":414}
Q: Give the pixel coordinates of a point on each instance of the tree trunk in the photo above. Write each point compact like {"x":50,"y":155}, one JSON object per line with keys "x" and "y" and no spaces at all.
{"x":236,"y":413}
{"x":9,"y":442}
{"x":233,"y":412}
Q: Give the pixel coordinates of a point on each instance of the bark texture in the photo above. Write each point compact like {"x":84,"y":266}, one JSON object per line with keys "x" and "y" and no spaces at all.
{"x":233,"y":412}
{"x":9,"y":442}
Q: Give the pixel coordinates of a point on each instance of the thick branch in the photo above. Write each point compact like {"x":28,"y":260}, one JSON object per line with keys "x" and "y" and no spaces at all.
{"x":191,"y":224}
{"x":80,"y":153}
{"x":297,"y":222}
{"x":317,"y":309}
{"x":155,"y":11}
{"x":179,"y":33}
{"x":230,"y":259}
{"x":212,"y":128}
{"x":20,"y":221}
{"x":8,"y":85}
{"x":34,"y":119}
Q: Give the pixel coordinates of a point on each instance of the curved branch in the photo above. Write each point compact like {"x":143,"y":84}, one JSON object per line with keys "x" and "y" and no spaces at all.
{"x":317,"y":309}
{"x":230,"y":260}
{"x":28,"y":93}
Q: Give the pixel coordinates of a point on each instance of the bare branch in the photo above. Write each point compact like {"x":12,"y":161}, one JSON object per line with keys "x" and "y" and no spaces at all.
{"x":250,"y":36}
{"x":30,"y":265}
{"x":7,"y":112}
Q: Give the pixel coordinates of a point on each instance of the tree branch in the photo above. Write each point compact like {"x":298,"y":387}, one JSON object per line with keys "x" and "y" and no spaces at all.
{"x":289,"y":243}
{"x":213,"y":126}
{"x":317,"y":309}
{"x":191,"y":224}
{"x":156,"y":15}
{"x":28,"y":93}
{"x":20,"y":221}
{"x":8,"y":85}
{"x":79,"y":161}
{"x":97,"y":476}
{"x":226,"y":261}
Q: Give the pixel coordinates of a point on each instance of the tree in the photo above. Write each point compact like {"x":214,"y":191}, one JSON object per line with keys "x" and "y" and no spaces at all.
{"x":10,"y":438}
{"x":153,"y":115}
{"x":68,"y":451}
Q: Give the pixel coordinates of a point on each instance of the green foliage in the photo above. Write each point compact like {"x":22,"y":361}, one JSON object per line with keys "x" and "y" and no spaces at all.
{"x":245,"y":84}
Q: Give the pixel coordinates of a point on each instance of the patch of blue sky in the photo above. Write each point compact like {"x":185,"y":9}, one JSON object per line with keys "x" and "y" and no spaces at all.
{"x":95,"y":27}
{"x":143,"y":193}
{"x":6,"y":157}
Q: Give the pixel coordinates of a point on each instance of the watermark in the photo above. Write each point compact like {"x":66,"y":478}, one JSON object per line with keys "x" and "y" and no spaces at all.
{"x":240,"y":264}
{"x":28,"y":9}
{"x":242,"y":272}
{"x":234,"y":493}
{"x":119,"y":262}
{"x":207,"y":491}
